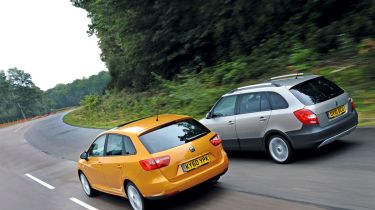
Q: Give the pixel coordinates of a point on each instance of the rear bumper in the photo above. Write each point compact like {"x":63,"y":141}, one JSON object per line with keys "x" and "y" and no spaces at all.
{"x":314,"y":136}
{"x":161,"y":187}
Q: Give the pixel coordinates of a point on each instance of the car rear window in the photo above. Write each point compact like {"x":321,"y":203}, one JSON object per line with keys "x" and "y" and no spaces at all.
{"x":173,"y":135}
{"x":316,"y":90}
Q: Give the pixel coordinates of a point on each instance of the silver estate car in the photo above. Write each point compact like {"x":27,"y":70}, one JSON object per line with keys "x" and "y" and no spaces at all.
{"x":286,"y":113}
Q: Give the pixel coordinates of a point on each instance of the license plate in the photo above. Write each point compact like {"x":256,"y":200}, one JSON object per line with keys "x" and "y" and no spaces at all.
{"x":196,"y":163}
{"x":336,"y":112}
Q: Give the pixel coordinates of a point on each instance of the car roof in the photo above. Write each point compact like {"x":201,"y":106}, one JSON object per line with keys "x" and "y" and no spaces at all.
{"x":292,"y":81}
{"x":141,"y":126}
{"x":288,"y":83}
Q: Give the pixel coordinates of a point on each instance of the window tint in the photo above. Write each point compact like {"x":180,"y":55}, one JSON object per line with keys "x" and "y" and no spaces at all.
{"x":97,"y":148}
{"x":316,"y":90}
{"x":277,"y":101}
{"x":264,"y":103}
{"x":253,"y":102}
{"x":225,"y":107}
{"x":129,"y":146}
{"x":173,"y":135}
{"x":114,"y":145}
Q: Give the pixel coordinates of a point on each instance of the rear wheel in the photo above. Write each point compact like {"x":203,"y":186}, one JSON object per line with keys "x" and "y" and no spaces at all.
{"x":135,"y":197}
{"x":89,"y":191}
{"x":280,"y":149}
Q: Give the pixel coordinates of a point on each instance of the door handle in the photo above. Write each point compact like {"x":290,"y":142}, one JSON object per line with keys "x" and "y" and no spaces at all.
{"x":119,"y":166}
{"x":230,"y":122}
{"x":262,"y":119}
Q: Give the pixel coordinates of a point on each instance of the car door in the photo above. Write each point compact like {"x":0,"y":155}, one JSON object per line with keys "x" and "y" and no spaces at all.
{"x":253,"y":113}
{"x":222,"y":121}
{"x":120,"y":156}
{"x":93,"y":168}
{"x":113,"y":162}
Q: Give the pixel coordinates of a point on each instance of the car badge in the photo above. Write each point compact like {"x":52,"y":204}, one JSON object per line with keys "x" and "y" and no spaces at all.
{"x":192,"y":149}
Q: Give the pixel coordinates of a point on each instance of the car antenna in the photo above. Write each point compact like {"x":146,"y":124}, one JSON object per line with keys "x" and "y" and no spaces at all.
{"x":157,"y":109}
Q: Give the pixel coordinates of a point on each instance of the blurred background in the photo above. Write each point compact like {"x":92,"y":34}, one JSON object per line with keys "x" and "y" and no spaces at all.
{"x":181,"y":56}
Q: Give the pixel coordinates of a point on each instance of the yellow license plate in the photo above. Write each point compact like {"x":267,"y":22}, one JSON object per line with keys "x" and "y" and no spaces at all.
{"x":196,"y":163}
{"x":336,"y":112}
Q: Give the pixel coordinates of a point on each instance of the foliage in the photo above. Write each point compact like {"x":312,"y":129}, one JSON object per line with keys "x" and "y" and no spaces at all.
{"x":89,"y":102}
{"x":19,"y":96}
{"x":173,"y":37}
{"x":71,"y":94}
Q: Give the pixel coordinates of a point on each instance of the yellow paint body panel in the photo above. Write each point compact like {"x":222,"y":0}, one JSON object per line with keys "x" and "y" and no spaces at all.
{"x":109,"y":173}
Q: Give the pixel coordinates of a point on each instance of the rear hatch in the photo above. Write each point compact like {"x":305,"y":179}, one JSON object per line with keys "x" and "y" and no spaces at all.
{"x":327,"y":100}
{"x":185,"y":142}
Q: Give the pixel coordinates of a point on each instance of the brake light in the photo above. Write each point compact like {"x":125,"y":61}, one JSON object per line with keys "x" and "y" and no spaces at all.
{"x":306,"y":117}
{"x":155,"y":163}
{"x":352,"y":103}
{"x":216,"y":140}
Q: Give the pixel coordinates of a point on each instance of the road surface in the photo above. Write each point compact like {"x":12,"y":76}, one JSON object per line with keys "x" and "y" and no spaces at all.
{"x":37,"y":171}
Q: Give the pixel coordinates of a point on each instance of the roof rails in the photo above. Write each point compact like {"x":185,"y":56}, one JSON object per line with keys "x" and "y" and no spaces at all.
{"x":253,"y":86}
{"x":287,"y":76}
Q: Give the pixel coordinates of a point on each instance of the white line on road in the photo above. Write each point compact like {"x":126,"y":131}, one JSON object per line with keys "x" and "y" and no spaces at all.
{"x":83,"y":204}
{"x":40,"y":182}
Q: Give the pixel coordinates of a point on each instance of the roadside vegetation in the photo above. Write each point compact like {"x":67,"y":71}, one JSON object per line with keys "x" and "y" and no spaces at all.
{"x":21,"y":99}
{"x":180,"y":57}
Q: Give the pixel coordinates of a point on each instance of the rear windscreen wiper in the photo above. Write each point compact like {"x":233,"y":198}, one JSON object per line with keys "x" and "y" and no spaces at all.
{"x":194,"y":137}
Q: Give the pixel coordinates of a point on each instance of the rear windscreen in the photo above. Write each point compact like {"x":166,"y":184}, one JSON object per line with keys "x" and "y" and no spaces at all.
{"x":173,"y":135}
{"x":316,"y":90}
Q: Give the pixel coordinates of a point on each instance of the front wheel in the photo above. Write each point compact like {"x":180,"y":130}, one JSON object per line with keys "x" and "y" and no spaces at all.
{"x":280,"y":149}
{"x":135,"y":197}
{"x":89,"y":191}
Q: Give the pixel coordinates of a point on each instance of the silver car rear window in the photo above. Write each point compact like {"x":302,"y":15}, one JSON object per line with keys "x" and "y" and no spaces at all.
{"x":315,"y":91}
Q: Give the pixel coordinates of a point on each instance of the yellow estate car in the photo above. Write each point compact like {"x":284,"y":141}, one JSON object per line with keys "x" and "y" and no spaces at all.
{"x":152,"y":158}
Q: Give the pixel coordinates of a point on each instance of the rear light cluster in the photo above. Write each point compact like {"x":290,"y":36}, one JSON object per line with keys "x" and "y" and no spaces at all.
{"x":155,"y":163}
{"x":352,"y":103}
{"x":307,"y":117}
{"x":216,"y":140}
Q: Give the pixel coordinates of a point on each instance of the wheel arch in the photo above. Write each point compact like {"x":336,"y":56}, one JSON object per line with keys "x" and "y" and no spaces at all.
{"x":270,"y":133}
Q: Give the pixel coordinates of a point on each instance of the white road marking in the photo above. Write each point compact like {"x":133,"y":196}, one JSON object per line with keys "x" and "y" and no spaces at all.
{"x":83,"y":204}
{"x":40,"y":182}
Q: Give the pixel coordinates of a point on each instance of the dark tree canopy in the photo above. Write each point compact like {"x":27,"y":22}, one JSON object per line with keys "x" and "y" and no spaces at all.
{"x":168,"y":36}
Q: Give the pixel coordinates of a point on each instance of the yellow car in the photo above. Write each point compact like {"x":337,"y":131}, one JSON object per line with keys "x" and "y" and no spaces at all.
{"x":152,"y":158}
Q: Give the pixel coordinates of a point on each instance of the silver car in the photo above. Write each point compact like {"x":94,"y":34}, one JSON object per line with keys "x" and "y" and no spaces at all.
{"x":286,"y":113}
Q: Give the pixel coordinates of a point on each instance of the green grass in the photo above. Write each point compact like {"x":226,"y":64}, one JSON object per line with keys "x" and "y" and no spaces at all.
{"x":194,"y":94}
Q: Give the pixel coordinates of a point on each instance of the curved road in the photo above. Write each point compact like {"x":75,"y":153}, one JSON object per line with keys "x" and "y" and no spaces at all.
{"x":338,"y":176}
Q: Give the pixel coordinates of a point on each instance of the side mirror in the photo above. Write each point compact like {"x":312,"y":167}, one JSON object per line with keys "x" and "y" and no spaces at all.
{"x":209,"y":115}
{"x":84,"y":156}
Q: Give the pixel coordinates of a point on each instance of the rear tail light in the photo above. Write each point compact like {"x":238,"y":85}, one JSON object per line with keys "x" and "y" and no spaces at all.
{"x":216,"y":140}
{"x":155,"y":163}
{"x":307,"y":117}
{"x":352,"y":103}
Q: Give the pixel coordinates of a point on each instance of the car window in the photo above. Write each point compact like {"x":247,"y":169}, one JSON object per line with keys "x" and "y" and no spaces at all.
{"x":129,"y":146}
{"x":225,"y":107}
{"x":277,"y":101}
{"x":97,"y":148}
{"x":251,"y":102}
{"x":264,"y":102}
{"x":114,"y":145}
{"x":173,"y":135}
{"x":315,"y":91}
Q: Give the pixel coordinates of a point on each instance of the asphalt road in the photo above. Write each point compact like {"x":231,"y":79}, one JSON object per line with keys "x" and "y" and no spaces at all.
{"x":338,"y":176}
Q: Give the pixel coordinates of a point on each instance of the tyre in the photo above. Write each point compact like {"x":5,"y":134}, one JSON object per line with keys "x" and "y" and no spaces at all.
{"x":137,"y":201}
{"x":279,"y":149}
{"x":89,"y":191}
{"x":214,"y":180}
